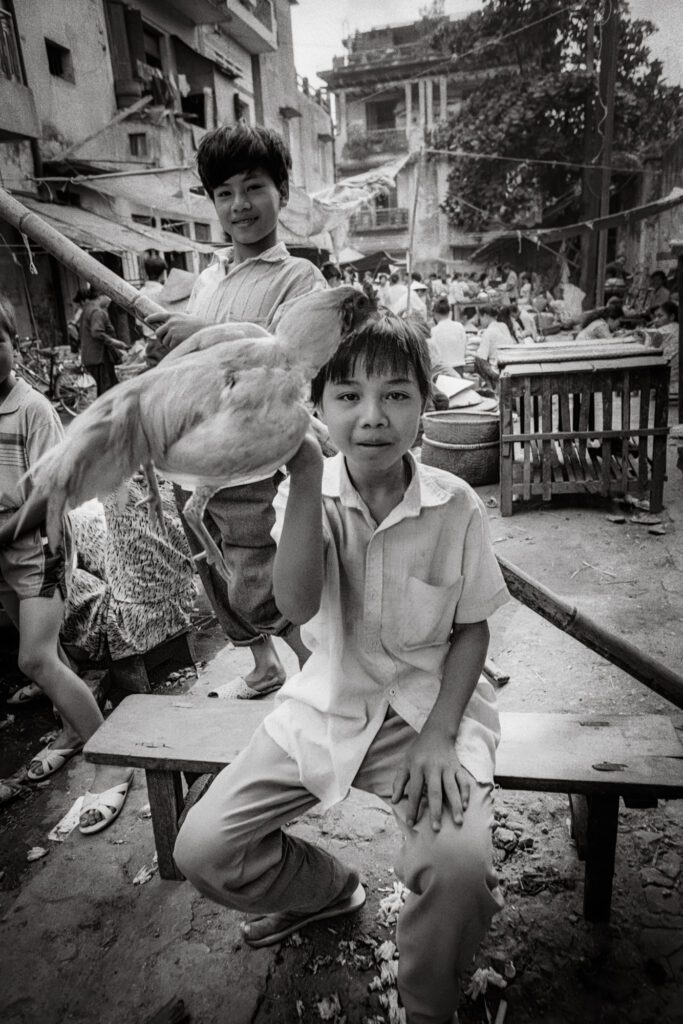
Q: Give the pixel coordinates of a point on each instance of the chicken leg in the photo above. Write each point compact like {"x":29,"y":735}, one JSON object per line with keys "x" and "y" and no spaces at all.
{"x":193,"y":510}
{"x":153,"y":499}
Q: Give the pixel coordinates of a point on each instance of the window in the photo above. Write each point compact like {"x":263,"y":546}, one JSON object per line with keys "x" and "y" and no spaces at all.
{"x":202,"y":232}
{"x":137,"y":143}
{"x":152,"y":46}
{"x":178,"y":227}
{"x":59,"y":61}
{"x":143,"y":219}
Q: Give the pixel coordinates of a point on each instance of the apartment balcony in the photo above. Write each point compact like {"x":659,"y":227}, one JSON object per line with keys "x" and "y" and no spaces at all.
{"x":252,"y":24}
{"x":362,"y":144}
{"x":202,"y":12}
{"x":18,"y":116}
{"x":393,"y":219}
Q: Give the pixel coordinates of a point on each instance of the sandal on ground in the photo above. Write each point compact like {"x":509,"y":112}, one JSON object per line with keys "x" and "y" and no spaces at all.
{"x":51,"y":759}
{"x":25,"y":694}
{"x":239,"y":689}
{"x":347,"y":905}
{"x":108,"y":804}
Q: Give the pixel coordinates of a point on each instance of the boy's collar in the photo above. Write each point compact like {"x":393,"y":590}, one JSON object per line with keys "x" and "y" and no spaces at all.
{"x":423,"y":490}
{"x":226,"y":257}
{"x":13,"y":401}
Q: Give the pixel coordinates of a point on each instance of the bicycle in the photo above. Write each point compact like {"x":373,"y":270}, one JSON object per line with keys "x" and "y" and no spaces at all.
{"x":62,"y":380}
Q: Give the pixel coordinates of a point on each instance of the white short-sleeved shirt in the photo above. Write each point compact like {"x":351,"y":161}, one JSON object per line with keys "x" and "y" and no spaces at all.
{"x":391,"y":595}
{"x":494,"y":336}
{"x":255,"y":290}
{"x":448,"y":343}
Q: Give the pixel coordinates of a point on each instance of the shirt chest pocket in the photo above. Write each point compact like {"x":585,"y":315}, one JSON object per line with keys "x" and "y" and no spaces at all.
{"x":427,"y":612}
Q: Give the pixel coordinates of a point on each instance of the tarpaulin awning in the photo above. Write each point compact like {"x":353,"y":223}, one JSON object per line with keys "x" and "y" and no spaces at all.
{"x":623,"y":217}
{"x":92,"y":231}
{"x":163,"y":193}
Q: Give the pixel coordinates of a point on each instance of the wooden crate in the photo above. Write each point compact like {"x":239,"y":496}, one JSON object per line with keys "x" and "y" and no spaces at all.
{"x":584,"y":427}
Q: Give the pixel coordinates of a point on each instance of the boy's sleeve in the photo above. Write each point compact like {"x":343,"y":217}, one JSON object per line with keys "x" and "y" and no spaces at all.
{"x":308,"y":279}
{"x":483,"y":588}
{"x":279,"y":506}
{"x":43,"y":431}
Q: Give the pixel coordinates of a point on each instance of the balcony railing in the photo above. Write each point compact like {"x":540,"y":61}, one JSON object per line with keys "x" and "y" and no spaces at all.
{"x":319,"y":96}
{"x":419,"y":50}
{"x":10,"y":65}
{"x":392,"y":219}
{"x":361,"y":143}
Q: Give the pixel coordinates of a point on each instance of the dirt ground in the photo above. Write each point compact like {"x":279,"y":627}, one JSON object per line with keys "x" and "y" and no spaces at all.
{"x":81,"y":942}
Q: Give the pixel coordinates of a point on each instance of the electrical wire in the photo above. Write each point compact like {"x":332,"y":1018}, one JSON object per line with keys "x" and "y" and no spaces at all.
{"x":525,"y":160}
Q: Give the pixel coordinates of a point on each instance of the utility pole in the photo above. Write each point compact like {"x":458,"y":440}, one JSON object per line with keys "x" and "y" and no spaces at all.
{"x":590,"y":182}
{"x":608,"y":79}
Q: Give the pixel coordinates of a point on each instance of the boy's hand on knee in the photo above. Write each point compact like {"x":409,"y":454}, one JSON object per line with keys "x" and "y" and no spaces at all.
{"x":431,"y":769}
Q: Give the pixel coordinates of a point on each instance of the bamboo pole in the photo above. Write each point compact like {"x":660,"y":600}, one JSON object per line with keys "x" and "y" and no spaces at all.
{"x":534,"y":595}
{"x":591,"y":634}
{"x":71,"y":255}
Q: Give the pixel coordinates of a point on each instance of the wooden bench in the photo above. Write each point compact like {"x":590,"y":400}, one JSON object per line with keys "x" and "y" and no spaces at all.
{"x":595,"y":759}
{"x":583,"y":426}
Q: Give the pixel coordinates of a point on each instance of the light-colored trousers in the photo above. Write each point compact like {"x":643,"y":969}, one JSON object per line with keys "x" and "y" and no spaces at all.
{"x":233,"y":849}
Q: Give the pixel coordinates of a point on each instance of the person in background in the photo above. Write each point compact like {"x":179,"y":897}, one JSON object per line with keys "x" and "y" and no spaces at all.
{"x":458,"y":294}
{"x":100,"y":350}
{"x":33,"y":589}
{"x":368,"y":286}
{"x":601,"y":323}
{"x":155,"y":269}
{"x":448,"y":340}
{"x":505,"y":319}
{"x":658,"y":292}
{"x":383,"y":289}
{"x":524,"y":288}
{"x":397,"y":291}
{"x":525,"y":324}
{"x":666,"y":322}
{"x":494,"y":336}
{"x":510,"y":282}
{"x":73,"y":326}
{"x":332,"y":274}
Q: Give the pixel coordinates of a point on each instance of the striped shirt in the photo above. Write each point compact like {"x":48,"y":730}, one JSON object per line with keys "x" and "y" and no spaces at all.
{"x":28,"y":427}
{"x":253,"y":291}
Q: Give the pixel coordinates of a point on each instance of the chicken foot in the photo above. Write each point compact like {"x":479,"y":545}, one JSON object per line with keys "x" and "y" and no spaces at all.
{"x":153,"y":499}
{"x":193,"y":511}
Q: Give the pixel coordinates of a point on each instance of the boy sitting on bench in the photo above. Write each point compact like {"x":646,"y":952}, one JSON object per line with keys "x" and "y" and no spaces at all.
{"x":390,"y":565}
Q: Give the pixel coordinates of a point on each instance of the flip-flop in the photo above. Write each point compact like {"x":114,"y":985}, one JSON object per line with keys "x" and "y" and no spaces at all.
{"x":25,"y":694}
{"x":239,"y":689}
{"x":108,"y":804}
{"x":346,"y":906}
{"x":51,"y":760}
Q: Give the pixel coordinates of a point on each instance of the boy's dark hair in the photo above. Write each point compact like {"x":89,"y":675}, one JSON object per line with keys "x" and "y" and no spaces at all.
{"x":394,"y":279}
{"x":487,"y":310}
{"x":154,"y":267}
{"x":8,"y":323}
{"x":670,"y":309}
{"x":238,"y":148}
{"x":330,"y":270}
{"x":416,"y":275}
{"x":442,"y":307}
{"x":384,"y":344}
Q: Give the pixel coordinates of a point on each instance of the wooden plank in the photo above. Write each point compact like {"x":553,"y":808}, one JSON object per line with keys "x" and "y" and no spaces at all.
{"x":544,"y":368}
{"x":659,"y":443}
{"x":507,"y":456}
{"x":584,"y":409}
{"x":515,"y":357}
{"x":606,"y":425}
{"x":165,"y":792}
{"x":601,"y":846}
{"x":626,"y":427}
{"x":526,"y":446}
{"x":555,"y":752}
{"x":643,"y":423}
{"x":547,"y":425}
{"x":565,"y":426}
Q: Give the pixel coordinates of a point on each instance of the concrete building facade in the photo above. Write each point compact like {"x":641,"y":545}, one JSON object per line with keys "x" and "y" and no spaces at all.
{"x":390,"y":90}
{"x":102,"y":106}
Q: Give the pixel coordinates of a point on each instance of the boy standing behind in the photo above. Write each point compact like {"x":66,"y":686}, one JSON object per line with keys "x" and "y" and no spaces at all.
{"x":245,"y":171}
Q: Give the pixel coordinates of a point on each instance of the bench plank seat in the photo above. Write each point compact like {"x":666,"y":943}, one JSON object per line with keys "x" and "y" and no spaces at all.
{"x":595,"y":758}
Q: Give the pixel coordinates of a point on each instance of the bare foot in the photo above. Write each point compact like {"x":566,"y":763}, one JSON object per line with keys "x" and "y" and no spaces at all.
{"x":106,"y":777}
{"x":268,"y":670}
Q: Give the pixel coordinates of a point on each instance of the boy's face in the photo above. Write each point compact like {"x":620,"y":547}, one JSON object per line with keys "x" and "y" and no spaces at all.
{"x":248,"y":205}
{"x":374,"y":420}
{"x":6,"y":355}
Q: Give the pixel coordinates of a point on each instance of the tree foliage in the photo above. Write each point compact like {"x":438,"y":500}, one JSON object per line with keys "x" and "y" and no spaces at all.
{"x":530,"y":91}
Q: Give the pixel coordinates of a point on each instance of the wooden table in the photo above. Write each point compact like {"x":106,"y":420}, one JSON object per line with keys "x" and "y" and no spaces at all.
{"x":584,"y":426}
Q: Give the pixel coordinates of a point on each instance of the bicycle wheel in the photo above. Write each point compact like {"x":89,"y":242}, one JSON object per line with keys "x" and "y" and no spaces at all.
{"x":75,"y":391}
{"x":31,"y":377}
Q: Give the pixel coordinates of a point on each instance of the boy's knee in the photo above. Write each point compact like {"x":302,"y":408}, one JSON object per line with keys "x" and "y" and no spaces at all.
{"x":34,"y":665}
{"x":203,"y":853}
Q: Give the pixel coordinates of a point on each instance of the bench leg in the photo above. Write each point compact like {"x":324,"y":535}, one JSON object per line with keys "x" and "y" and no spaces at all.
{"x":578,"y":809}
{"x":165,"y":792}
{"x":601,"y":844}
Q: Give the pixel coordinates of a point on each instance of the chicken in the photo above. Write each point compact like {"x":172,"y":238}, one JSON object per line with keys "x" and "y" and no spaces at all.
{"x":225,"y":408}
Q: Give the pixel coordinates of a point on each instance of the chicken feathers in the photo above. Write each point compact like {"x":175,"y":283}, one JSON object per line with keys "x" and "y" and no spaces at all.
{"x":226,"y":407}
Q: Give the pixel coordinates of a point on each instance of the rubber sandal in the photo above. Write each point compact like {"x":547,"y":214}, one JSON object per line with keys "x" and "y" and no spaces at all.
{"x":108,"y":804}
{"x":25,"y":694}
{"x":346,"y":906}
{"x":51,"y":760}
{"x":239,"y":689}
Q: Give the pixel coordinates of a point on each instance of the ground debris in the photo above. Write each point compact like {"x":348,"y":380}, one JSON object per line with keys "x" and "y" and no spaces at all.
{"x":316,"y":962}
{"x":616,"y":519}
{"x":145,"y":873}
{"x":390,"y":906}
{"x":329,"y":1008}
{"x":389,"y":1000}
{"x":481,"y":979}
{"x":36,"y":853}
{"x":145,"y":812}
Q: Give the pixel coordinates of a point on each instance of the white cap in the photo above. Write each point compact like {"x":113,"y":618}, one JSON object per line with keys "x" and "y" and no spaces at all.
{"x":418,"y":286}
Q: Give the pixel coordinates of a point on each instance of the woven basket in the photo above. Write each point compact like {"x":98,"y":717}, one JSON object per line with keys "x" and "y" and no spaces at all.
{"x":466,"y":444}
{"x":460,"y":426}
